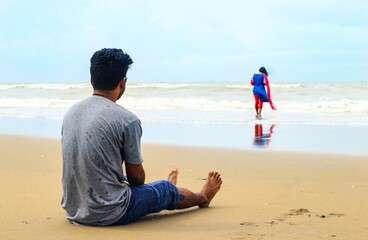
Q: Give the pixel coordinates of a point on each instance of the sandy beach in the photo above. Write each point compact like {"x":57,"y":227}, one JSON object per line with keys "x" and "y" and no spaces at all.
{"x":270,"y":94}
{"x":265,"y":194}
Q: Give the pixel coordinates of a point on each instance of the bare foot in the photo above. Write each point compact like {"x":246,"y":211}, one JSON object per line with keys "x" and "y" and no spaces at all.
{"x":211,"y":187}
{"x":173,"y":176}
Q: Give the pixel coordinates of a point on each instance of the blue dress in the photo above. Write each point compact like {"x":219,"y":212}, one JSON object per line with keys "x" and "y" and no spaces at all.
{"x":259,"y":87}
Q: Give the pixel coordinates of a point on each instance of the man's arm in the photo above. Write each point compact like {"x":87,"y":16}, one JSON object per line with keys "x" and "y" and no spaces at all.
{"x":135,"y":173}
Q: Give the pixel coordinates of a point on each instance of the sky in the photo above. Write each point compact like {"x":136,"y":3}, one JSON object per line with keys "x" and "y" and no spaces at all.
{"x":186,"y":40}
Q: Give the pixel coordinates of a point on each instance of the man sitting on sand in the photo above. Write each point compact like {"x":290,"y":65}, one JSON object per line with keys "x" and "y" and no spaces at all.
{"x":98,"y":138}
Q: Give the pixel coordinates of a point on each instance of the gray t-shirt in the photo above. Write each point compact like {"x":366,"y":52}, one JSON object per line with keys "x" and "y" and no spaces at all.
{"x":98,"y":135}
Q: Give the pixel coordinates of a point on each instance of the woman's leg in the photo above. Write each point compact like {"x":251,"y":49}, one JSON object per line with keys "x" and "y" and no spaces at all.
{"x":258,"y":105}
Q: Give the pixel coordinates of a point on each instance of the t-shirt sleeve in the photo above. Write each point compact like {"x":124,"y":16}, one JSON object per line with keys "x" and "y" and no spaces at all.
{"x":132,"y":143}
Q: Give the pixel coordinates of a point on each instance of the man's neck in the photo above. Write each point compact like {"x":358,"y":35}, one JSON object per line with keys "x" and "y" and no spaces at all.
{"x":105,"y":93}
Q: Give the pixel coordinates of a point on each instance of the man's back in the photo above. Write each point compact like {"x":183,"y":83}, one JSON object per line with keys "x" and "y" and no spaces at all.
{"x":97,"y":136}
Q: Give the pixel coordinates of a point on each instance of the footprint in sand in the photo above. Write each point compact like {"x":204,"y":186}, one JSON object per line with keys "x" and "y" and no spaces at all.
{"x":243,"y":235}
{"x":249,"y":224}
{"x":336,"y":214}
{"x":300,"y":211}
{"x":304,"y":211}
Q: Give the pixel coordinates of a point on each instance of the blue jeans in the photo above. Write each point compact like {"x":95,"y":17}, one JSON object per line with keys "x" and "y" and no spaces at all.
{"x":151,"y":198}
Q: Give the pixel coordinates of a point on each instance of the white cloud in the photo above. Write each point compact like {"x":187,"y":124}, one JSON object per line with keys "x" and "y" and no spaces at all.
{"x":221,"y":37}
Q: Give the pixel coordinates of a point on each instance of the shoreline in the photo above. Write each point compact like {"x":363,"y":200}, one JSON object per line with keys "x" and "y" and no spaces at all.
{"x":265,"y":194}
{"x":150,"y":145}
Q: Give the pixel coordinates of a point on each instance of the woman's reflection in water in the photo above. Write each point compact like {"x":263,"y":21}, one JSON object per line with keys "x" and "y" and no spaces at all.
{"x":260,"y":138}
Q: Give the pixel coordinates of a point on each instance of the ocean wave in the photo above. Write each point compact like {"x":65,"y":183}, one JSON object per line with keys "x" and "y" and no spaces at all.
{"x":287,"y":85}
{"x":189,"y":86}
{"x":186,"y":86}
{"x":166,"y":85}
{"x":223,"y":86}
{"x":323,"y":106}
{"x":196,"y":102}
{"x":205,"y":104}
{"x":35,"y":103}
{"x":45,"y":86}
{"x":343,"y":105}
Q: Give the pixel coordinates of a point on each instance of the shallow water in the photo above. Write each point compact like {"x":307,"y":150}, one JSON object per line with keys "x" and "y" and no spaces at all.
{"x":330,"y":118}
{"x":350,"y":140}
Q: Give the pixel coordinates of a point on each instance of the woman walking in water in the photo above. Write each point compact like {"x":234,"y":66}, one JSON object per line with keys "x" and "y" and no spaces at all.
{"x":259,"y":81}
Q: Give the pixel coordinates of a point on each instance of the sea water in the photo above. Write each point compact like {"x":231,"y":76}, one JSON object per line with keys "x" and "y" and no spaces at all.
{"x":324,"y":117}
{"x":219,"y":103}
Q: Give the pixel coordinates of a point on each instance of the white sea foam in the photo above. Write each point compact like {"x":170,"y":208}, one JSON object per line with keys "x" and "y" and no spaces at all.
{"x":56,"y":86}
{"x":334,"y":103}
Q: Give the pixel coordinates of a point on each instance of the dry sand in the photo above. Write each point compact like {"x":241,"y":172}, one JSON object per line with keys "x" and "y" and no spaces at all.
{"x":265,"y":195}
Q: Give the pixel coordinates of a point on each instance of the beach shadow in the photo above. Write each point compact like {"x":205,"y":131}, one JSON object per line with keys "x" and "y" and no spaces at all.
{"x":262,"y":139}
{"x":168,"y":216}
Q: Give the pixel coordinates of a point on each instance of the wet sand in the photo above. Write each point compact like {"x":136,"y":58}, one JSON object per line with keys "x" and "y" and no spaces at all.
{"x":331,"y":139}
{"x":265,"y":195}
